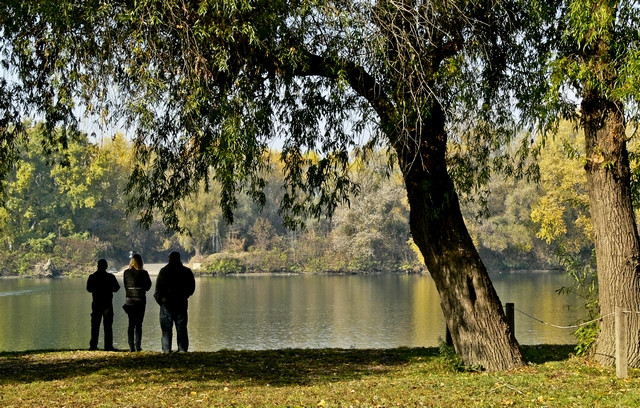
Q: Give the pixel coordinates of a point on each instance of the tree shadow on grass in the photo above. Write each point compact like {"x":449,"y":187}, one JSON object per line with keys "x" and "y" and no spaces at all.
{"x":544,"y":353}
{"x":274,"y":367}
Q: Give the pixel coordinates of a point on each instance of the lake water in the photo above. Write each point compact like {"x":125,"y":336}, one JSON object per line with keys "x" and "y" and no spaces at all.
{"x":272,"y":312}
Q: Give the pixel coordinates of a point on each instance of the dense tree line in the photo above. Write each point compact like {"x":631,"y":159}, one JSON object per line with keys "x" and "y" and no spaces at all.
{"x":70,"y":207}
{"x":76,"y":212}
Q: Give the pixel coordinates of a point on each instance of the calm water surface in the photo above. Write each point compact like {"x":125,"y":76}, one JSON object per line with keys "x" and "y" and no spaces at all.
{"x":269,"y":312}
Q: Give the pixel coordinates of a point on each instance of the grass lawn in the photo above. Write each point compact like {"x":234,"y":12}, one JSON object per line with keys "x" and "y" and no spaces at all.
{"x":305,"y":378}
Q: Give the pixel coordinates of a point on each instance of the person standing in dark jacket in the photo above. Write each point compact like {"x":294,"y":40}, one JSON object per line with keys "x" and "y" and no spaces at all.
{"x":174,"y":285}
{"x":102,"y":285}
{"x":136,"y":284}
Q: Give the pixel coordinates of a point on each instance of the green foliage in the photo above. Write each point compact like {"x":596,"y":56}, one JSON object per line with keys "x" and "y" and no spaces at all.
{"x":562,"y":211}
{"x":223,"y":265}
{"x":369,"y":234}
{"x":451,"y":358}
{"x":596,"y":32}
{"x":506,"y":235}
{"x":274,"y":261}
{"x":526,"y":223}
{"x":201,"y":221}
{"x":34,"y":211}
{"x":86,"y":218}
{"x":71,"y":214}
{"x":77,"y":255}
{"x":41,"y":244}
{"x":208,"y":85}
{"x":586,"y":336}
{"x":585,"y":286}
{"x":262,"y":232}
{"x":578,"y":49}
{"x":372,"y":232}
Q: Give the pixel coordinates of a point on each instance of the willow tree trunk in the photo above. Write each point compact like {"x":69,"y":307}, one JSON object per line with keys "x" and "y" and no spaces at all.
{"x":614,"y":225}
{"x":472,"y":309}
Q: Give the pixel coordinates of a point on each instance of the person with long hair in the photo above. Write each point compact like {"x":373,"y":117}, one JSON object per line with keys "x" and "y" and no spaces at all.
{"x":136,"y":283}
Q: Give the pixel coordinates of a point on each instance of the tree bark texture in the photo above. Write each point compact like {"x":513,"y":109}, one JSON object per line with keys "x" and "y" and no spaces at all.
{"x":615,"y":233}
{"x":471,"y":306}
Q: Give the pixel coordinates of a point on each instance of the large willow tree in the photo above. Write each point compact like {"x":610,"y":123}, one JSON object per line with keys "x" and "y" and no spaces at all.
{"x":207,"y":84}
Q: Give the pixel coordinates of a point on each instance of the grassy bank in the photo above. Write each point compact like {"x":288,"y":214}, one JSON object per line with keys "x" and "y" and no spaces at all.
{"x":306,"y":378}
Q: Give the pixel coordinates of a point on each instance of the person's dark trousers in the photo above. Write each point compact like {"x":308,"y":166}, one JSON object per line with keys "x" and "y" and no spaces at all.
{"x":134,"y":331}
{"x":101,"y":313}
{"x":169,"y":317}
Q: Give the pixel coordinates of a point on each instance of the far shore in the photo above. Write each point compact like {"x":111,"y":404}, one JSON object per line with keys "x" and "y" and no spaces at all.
{"x":154,"y":269}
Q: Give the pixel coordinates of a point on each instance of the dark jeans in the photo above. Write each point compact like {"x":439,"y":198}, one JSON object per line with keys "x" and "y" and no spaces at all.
{"x":168,"y":317}
{"x":98,"y":313}
{"x":134,"y":331}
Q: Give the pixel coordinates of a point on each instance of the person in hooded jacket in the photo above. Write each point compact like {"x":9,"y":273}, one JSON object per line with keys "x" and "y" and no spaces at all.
{"x":174,"y":285}
{"x":102,"y":284}
{"x":136,"y":284}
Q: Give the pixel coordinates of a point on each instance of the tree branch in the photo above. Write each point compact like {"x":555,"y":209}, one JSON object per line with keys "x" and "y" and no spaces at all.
{"x":363,"y":83}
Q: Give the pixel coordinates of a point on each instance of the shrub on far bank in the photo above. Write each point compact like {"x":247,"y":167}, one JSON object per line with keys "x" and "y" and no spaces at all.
{"x":76,"y":255}
{"x":223,"y":264}
{"x":289,"y":261}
